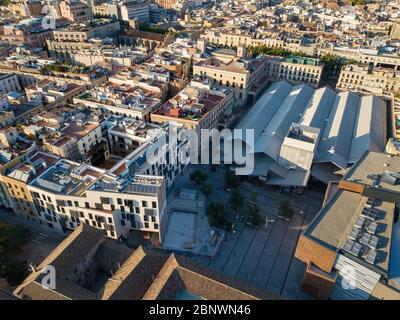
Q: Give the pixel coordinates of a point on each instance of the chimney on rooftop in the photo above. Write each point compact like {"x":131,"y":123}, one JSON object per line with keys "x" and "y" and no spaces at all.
{"x":241,"y":52}
{"x":202,"y":45}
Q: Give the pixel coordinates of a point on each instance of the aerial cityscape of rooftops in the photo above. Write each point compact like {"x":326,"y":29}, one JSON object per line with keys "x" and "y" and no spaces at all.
{"x":199,"y":150}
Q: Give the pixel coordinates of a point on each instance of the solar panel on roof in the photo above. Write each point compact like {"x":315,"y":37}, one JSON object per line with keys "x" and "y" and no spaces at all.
{"x":370,"y":202}
{"x":371,"y":257}
{"x":360,"y":222}
{"x":354,"y":233}
{"x":109,"y":186}
{"x":356,"y":249}
{"x":373,"y":242}
{"x":139,"y":188}
{"x":348,"y":245}
{"x":370,"y":214}
{"x":49,"y":185}
{"x":389,"y":179}
{"x":372,"y":227}
{"x":365,"y":238}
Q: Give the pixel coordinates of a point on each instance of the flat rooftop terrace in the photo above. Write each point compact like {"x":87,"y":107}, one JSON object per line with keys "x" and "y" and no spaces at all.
{"x":373,"y":164}
{"x":345,"y":220}
{"x":67,"y":177}
{"x":194,"y":108}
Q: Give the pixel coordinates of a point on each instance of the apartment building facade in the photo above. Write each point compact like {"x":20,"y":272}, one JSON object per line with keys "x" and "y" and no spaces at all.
{"x":135,"y":10}
{"x":196,"y":107}
{"x":243,"y":77}
{"x":166,"y":4}
{"x":295,"y":70}
{"x":78,"y":32}
{"x":120,"y":100}
{"x":68,"y":194}
{"x":376,"y":59}
{"x":9,"y":82}
{"x":237,"y":40}
{"x":16,"y":183}
{"x":372,"y":79}
{"x":144,"y":145}
{"x":75,"y":11}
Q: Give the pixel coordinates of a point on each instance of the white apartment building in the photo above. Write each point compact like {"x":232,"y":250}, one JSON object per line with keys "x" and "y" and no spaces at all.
{"x":68,"y":194}
{"x":143,"y":143}
{"x":135,"y":10}
{"x":126,"y":134}
{"x":371,"y":79}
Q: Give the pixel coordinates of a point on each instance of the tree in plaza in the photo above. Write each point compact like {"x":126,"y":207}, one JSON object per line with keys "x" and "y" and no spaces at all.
{"x":14,"y":271}
{"x":216,"y":215}
{"x":286,"y":209}
{"x":12,"y":238}
{"x":198,"y":176}
{"x":254,"y":213}
{"x":332,"y":65}
{"x":236,"y":200}
{"x":207,"y":189}
{"x":231,"y":179}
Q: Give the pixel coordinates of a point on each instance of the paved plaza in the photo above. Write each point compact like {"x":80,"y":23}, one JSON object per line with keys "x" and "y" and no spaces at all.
{"x":263,"y":256}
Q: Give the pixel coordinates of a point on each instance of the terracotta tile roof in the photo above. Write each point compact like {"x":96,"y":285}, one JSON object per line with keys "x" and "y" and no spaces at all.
{"x":129,"y":274}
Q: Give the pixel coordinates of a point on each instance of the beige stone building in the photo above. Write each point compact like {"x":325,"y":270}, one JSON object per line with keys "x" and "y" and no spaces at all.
{"x":236,"y":39}
{"x":395,"y":31}
{"x":295,"y":70}
{"x":75,"y":11}
{"x":362,"y":57}
{"x":166,"y":4}
{"x":80,"y":32}
{"x":17,"y":179}
{"x":227,"y":69}
{"x":376,"y":80}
